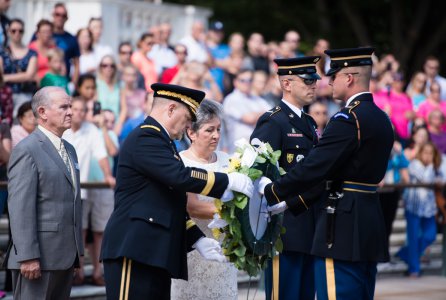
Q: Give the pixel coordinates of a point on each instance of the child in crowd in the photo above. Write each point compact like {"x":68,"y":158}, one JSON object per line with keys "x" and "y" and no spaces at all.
{"x":86,"y":89}
{"x":56,"y":73}
{"x":420,"y":207}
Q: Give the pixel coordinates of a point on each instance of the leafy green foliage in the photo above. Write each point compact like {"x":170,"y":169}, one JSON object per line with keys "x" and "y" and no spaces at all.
{"x":233,"y":245}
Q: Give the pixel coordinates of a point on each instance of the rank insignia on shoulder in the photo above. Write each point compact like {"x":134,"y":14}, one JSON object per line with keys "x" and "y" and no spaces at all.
{"x":150,"y":126}
{"x":340,"y":115}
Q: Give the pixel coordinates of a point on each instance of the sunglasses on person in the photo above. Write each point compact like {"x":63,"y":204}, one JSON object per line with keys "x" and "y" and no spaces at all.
{"x":307,"y":81}
{"x":243,"y":80}
{"x":108,"y":66}
{"x":60,"y":15}
{"x":126,"y":52}
{"x":14,"y":31}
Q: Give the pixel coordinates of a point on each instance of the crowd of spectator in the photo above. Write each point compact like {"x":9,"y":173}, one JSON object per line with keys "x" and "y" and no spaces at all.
{"x":112,"y":95}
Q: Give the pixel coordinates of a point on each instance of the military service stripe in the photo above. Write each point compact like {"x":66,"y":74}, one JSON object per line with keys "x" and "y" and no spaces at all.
{"x":189,"y":224}
{"x":127,"y":284}
{"x":199,"y":175}
{"x":331,"y":283}
{"x":151,"y":126}
{"x":123,"y":272}
{"x":275,"y":291}
{"x":302,"y":200}
{"x":209,"y":184}
{"x":350,"y":57}
{"x":125,"y":279}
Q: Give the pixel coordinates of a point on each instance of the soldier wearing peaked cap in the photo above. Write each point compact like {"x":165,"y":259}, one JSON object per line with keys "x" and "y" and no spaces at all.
{"x":352,"y":154}
{"x":289,"y":129}
{"x":149,"y":232}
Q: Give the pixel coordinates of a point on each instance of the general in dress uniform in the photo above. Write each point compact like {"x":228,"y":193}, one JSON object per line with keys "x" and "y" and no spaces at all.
{"x":289,"y":129}
{"x":149,"y":232}
{"x":352,"y":154}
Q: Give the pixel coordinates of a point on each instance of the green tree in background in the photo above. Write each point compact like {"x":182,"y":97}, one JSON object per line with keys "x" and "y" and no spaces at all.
{"x":409,"y":29}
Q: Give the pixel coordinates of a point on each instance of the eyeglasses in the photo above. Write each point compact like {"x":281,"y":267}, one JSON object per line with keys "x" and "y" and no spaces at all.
{"x":181,"y":52}
{"x":108,"y":66}
{"x":14,"y":31}
{"x":243,"y":80}
{"x":60,"y":15}
{"x":333,"y":77}
{"x":126,"y":52}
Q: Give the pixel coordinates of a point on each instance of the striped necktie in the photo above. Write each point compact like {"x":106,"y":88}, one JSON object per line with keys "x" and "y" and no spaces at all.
{"x":64,"y":155}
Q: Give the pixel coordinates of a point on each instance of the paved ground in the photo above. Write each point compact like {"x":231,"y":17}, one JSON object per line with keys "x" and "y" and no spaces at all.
{"x":389,"y":288}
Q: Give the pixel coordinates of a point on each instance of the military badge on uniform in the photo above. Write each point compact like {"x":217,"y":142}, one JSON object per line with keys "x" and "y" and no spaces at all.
{"x":294,"y":133}
{"x":299,"y":157}
{"x":289,"y":157}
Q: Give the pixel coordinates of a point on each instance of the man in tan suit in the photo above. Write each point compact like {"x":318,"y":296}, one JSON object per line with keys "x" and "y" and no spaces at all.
{"x":44,"y":203}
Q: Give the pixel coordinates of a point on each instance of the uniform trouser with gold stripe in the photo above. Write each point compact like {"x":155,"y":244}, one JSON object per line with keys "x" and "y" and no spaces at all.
{"x":290,"y":278}
{"x":126,"y":279}
{"x":344,"y":280}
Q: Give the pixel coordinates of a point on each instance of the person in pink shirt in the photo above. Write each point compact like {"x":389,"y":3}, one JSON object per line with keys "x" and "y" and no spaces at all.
{"x":44,"y":41}
{"x":431,"y":103}
{"x":397,"y":105}
{"x":144,"y":64}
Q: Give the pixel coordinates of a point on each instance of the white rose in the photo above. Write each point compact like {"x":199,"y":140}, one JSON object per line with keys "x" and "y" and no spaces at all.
{"x":249,"y":157}
{"x":260,"y":146}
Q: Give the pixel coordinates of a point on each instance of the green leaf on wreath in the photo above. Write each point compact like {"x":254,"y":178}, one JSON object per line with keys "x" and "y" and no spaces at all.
{"x":269,"y":148}
{"x":282,"y":171}
{"x":240,"y":251}
{"x":282,"y":230}
{"x":275,"y":157}
{"x":242,"y":203}
{"x":279,"y":245}
{"x":254,"y":173}
{"x":260,"y":159}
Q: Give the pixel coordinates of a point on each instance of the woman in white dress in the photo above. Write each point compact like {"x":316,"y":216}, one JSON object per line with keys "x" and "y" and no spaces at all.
{"x":207,"y":280}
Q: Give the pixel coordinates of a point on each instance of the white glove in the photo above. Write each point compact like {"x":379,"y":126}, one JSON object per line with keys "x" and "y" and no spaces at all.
{"x":240,"y":183}
{"x":227,"y":196}
{"x":217,"y":222}
{"x":263,"y":182}
{"x":210,"y":249}
{"x":264,"y":209}
{"x":277,"y":208}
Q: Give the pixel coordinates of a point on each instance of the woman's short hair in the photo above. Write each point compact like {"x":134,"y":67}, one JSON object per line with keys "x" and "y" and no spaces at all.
{"x":207,"y":110}
{"x":23,"y":109}
{"x":44,"y":22}
{"x":17,"y":20}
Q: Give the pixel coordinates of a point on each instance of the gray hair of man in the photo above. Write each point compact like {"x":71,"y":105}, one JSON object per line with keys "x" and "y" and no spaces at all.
{"x":43,"y":98}
{"x":207,"y":111}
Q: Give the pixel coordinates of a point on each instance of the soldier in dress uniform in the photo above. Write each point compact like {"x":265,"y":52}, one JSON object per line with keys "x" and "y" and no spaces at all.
{"x":289,"y":129}
{"x":350,"y":235}
{"x":149,"y":233}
